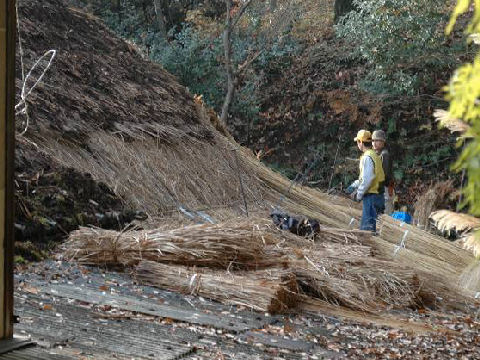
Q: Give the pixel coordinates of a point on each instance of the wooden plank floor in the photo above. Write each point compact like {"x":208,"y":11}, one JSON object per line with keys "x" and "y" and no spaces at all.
{"x":150,"y":307}
{"x":77,"y":328}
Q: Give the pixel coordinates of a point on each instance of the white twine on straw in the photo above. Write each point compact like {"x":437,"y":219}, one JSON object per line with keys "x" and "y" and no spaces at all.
{"x":193,"y":286}
{"x":22,"y":106}
{"x":402,"y":243}
{"x":351,"y":221}
{"x":477,"y":295}
{"x":315,"y":266}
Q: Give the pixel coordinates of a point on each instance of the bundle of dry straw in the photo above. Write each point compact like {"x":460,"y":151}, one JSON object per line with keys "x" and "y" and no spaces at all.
{"x":422,"y":242}
{"x":354,"y":279}
{"x":236,"y":245}
{"x":429,"y":201}
{"x":274,"y":290}
{"x":446,"y":221}
{"x":433,"y":275}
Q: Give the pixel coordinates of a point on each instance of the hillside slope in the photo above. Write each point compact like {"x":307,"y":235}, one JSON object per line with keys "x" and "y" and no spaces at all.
{"x":104,"y":111}
{"x":97,"y":90}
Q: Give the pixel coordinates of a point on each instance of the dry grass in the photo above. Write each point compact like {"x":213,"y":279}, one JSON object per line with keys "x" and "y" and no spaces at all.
{"x":424,"y":243}
{"x":470,"y":278}
{"x":338,"y":267}
{"x":445,"y":220}
{"x":435,"y":276}
{"x":274,"y":290}
{"x":452,"y":124}
{"x":236,"y":245}
{"x":355,"y":278}
{"x":471,"y":242}
{"x":429,"y":201}
{"x":159,"y":177}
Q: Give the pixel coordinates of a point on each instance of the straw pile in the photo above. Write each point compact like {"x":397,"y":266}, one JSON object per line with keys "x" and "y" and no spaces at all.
{"x":352,"y":276}
{"x":160,"y":160}
{"x":424,"y":243}
{"x":446,"y":221}
{"x":471,"y":242}
{"x":429,"y":201}
{"x":433,"y":276}
{"x":233,"y":262}
{"x":274,"y":290}
{"x":236,"y":245}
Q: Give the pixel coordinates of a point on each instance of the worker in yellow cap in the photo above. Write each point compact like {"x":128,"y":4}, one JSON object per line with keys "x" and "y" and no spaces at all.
{"x":370,"y":184}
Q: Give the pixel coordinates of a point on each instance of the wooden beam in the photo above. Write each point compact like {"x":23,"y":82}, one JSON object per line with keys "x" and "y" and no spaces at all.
{"x":7,"y":130}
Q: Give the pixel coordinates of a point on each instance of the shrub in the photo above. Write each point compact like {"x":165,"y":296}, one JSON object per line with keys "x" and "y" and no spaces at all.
{"x":401,"y":41}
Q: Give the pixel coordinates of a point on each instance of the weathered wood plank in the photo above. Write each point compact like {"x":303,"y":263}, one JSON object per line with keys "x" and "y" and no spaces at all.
{"x":277,"y":341}
{"x":130,"y":303}
{"x":76,"y":327}
{"x":34,"y":353}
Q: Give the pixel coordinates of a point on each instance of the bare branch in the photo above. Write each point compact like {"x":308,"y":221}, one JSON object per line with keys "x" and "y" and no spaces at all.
{"x":248,"y":62}
{"x":240,"y":12}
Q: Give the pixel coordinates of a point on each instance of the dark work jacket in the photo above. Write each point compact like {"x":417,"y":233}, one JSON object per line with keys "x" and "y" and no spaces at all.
{"x":387,"y":166}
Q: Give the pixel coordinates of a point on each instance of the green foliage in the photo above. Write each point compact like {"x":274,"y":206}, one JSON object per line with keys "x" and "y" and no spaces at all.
{"x":19,"y":260}
{"x":197,"y":58}
{"x":464,"y":94}
{"x":401,"y":41}
{"x":197,"y":61}
{"x":288,"y":172}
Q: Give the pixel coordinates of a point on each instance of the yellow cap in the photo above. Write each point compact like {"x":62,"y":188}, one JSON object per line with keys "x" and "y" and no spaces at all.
{"x":363,"y":136}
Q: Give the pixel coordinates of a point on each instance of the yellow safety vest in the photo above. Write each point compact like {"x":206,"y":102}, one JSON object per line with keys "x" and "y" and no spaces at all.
{"x":378,"y":182}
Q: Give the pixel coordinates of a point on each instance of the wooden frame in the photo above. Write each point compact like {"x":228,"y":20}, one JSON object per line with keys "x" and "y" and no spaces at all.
{"x":7,"y":146}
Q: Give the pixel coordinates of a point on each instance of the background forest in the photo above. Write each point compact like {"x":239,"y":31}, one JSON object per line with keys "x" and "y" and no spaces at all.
{"x":308,"y":74}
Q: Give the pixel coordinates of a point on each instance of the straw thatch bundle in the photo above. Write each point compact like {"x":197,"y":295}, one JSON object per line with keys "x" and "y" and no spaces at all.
{"x":434,"y":276}
{"x":274,"y":290}
{"x":342,"y":236}
{"x":236,"y":245}
{"x":451,"y":123}
{"x":446,"y":220}
{"x":336,"y":291}
{"x":354,"y":278}
{"x":327,"y":209}
{"x":471,"y":242}
{"x":239,"y":244}
{"x":363,"y":290}
{"x":422,"y":242}
{"x":429,"y":201}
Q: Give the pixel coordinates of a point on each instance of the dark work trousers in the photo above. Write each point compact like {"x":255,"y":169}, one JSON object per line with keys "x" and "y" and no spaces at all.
{"x":373,"y":204}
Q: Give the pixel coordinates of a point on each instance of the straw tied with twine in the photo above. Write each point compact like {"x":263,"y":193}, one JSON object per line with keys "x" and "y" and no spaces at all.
{"x":253,"y":265}
{"x":220,"y":246}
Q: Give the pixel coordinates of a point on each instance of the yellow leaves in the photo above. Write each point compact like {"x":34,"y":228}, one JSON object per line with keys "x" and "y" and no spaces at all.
{"x":461,"y":8}
{"x":463,"y":92}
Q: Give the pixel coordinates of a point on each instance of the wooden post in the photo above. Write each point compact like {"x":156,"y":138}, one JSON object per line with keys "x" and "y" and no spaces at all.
{"x":7,"y":130}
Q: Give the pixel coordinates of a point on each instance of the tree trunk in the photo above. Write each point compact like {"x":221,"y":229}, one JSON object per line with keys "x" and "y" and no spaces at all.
{"x":227,"y":45}
{"x":273,"y":5}
{"x":342,"y":7}
{"x":160,"y":18}
{"x":115,"y":6}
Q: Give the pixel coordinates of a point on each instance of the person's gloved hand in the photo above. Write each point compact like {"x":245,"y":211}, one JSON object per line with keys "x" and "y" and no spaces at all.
{"x":349,"y":190}
{"x":353,"y":195}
